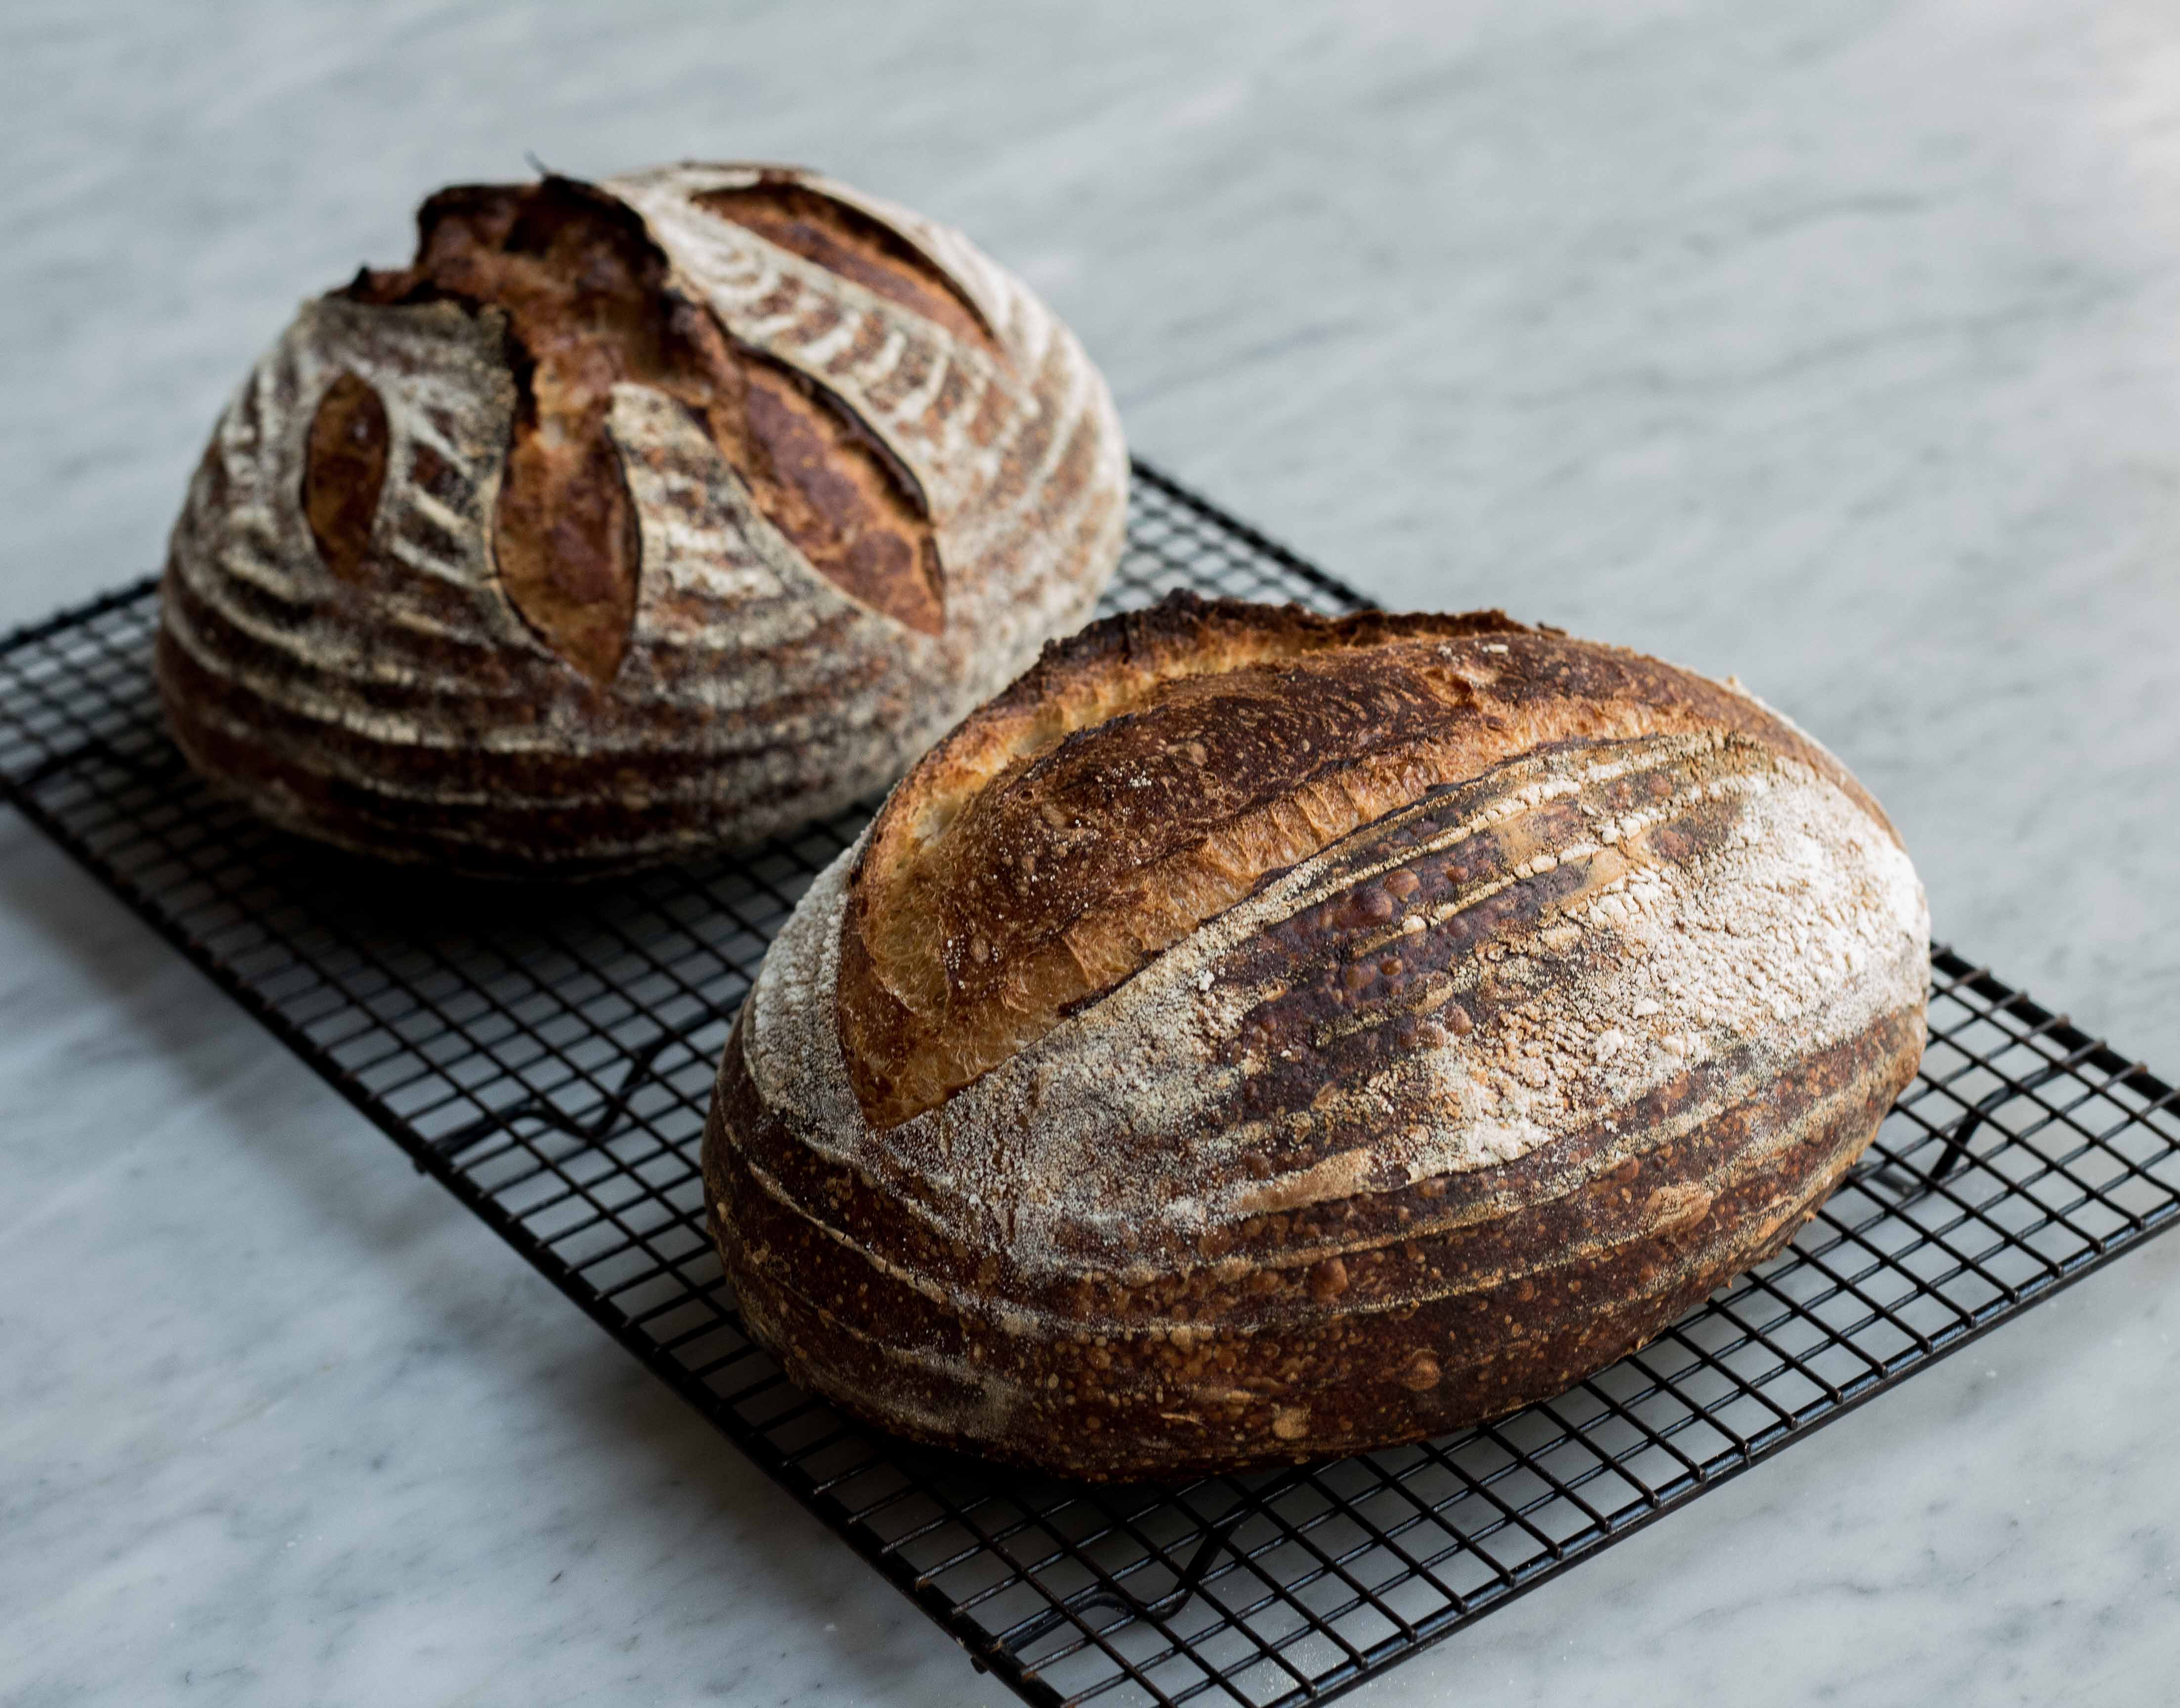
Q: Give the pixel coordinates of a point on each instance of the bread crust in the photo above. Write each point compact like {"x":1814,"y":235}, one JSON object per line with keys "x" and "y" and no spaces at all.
{"x":375,"y":685}
{"x":1469,"y":1100}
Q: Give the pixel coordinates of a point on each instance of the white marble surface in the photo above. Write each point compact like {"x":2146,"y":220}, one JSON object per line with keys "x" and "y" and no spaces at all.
{"x":1836,"y":345}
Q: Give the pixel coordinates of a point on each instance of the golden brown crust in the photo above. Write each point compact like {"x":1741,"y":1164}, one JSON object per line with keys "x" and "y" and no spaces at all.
{"x":1459,"y":1103}
{"x":1146,"y":775}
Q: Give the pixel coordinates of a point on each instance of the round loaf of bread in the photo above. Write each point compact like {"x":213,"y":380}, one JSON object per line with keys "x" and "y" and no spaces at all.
{"x":1253,"y":1036}
{"x":631,"y":520}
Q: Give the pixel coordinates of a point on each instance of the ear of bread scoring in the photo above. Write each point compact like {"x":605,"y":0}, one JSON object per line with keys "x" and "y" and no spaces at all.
{"x":787,"y":208}
{"x":1144,"y":777}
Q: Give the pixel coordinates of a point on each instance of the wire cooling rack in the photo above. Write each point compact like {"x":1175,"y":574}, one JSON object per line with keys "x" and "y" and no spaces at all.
{"x":548,"y":1055}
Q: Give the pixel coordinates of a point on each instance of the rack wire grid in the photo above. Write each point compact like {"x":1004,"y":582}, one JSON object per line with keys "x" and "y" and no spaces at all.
{"x":548,"y":1055}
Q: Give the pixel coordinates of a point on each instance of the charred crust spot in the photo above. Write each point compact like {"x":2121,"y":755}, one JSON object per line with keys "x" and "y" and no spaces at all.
{"x":854,"y":244}
{"x":589,"y":304}
{"x":343,"y":472}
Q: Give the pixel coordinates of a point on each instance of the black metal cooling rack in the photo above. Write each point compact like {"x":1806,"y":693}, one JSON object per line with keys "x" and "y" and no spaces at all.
{"x":547,"y":1056}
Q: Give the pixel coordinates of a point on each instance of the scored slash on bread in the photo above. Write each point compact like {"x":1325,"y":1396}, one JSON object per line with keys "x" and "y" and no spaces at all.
{"x":1257,"y":1036}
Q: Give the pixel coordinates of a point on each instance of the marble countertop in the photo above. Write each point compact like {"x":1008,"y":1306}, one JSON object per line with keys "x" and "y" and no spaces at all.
{"x":1835,"y":346}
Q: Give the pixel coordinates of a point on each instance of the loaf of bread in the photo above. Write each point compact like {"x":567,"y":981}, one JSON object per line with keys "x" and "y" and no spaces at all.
{"x":1254,"y":1037}
{"x":631,"y":520}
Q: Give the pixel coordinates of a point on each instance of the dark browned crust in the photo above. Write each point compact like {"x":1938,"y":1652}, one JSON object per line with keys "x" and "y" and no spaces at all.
{"x":343,"y":471}
{"x":1145,"y":773}
{"x":1449,"y":1301}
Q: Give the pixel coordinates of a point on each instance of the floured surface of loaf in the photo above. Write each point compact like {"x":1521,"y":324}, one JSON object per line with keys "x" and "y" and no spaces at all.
{"x":1252,"y":1036}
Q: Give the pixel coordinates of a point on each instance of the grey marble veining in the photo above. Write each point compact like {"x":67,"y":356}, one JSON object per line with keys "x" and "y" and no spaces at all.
{"x":1835,"y":346}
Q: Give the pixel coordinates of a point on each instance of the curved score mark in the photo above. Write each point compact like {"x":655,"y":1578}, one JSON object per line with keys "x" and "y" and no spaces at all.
{"x":566,"y":547}
{"x":845,"y":240}
{"x":828,"y":483}
{"x":344,"y":472}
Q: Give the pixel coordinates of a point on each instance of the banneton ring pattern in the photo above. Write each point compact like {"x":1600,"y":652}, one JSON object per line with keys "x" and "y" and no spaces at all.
{"x":632,"y":519}
{"x":1254,"y":1037}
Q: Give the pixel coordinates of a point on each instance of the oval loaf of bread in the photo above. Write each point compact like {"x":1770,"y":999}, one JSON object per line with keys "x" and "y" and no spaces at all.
{"x":1253,"y":1036}
{"x":630,"y":519}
